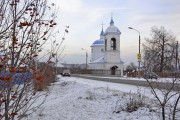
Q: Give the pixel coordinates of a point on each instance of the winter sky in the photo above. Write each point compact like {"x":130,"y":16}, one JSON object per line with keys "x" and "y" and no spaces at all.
{"x":86,"y":16}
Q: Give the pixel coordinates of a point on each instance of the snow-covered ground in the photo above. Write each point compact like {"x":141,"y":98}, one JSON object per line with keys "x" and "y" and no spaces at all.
{"x":72,"y":98}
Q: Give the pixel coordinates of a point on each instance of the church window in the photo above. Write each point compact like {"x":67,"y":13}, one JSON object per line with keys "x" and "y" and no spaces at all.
{"x":102,"y":50}
{"x":105,"y":44}
{"x":113,"y":43}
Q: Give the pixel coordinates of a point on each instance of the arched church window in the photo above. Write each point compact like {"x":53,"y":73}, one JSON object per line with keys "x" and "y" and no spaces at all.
{"x":113,"y":43}
{"x":105,"y":44}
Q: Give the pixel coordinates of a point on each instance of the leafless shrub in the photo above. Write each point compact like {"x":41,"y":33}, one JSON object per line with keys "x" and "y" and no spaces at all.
{"x":133,"y":101}
{"x":64,"y":84}
{"x":90,"y":96}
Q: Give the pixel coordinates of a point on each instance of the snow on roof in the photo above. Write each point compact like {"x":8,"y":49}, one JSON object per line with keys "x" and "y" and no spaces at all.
{"x":99,"y":60}
{"x":112,"y":30}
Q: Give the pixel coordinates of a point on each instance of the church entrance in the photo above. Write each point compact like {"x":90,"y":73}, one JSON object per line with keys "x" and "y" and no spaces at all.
{"x":113,"y":69}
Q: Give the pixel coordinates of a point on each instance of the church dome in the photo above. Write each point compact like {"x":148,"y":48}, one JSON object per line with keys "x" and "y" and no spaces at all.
{"x":98,"y":42}
{"x":112,"y":29}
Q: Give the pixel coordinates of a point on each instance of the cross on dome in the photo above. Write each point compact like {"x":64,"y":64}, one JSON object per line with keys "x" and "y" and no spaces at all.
{"x":102,"y":24}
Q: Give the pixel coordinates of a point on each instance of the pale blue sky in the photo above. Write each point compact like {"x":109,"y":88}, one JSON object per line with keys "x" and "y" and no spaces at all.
{"x":85,"y":17}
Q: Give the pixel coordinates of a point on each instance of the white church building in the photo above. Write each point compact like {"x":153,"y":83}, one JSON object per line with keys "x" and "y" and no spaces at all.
{"x":105,"y":52}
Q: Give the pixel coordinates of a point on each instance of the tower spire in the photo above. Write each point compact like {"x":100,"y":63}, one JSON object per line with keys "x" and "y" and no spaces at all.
{"x":102,"y":32}
{"x":112,"y":22}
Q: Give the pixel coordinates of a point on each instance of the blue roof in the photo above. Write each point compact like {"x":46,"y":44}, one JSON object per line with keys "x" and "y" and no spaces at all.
{"x":98,"y":42}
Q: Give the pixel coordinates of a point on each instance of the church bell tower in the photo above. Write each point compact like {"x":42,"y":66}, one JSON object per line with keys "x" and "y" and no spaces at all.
{"x":112,"y":47}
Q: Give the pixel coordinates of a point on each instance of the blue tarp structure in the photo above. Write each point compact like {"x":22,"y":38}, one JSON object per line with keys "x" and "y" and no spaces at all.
{"x":15,"y":78}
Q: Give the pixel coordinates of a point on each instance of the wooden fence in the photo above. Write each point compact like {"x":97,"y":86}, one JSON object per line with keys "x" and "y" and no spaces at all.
{"x":95,"y":72}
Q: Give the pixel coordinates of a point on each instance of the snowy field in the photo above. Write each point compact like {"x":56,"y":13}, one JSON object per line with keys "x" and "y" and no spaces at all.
{"x":72,"y":98}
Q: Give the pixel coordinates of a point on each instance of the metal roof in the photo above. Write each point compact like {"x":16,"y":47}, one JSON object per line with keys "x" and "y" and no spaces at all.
{"x":98,"y":42}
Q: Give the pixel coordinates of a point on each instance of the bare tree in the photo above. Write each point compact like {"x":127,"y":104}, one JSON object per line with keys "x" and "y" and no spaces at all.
{"x":25,"y":26}
{"x":159,"y":51}
{"x":160,"y":56}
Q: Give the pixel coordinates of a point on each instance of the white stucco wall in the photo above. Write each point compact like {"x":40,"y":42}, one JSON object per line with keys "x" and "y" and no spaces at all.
{"x":112,"y":56}
{"x":96,"y":65}
{"x":96,"y":52}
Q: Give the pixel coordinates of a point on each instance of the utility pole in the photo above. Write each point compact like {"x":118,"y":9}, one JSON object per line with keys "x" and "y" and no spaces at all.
{"x":139,"y":53}
{"x":86,"y":56}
